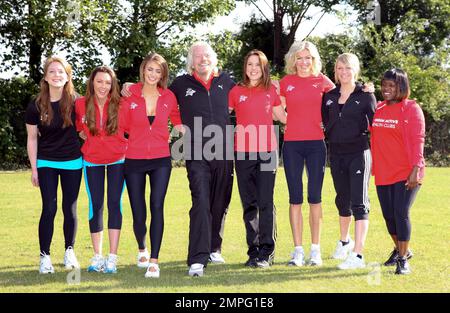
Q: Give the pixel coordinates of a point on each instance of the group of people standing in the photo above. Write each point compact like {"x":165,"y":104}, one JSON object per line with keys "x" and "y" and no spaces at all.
{"x":128,"y":139}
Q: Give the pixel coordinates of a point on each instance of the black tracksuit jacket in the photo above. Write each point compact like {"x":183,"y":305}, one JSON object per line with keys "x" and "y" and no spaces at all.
{"x":346,"y":130}
{"x":211,"y":105}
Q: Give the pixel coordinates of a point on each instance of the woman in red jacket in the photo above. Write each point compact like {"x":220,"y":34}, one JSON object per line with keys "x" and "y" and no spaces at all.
{"x":398,"y":129}
{"x":256,"y":102}
{"x":103,"y":150}
{"x":144,"y":116}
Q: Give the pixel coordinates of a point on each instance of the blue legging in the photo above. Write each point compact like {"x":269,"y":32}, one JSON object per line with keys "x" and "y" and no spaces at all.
{"x":296,"y":154}
{"x":395,"y":202}
{"x":159,"y":181}
{"x":94,"y":176}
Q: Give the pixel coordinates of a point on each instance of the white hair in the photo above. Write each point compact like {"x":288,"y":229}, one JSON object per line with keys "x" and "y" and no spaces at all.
{"x":190,"y":56}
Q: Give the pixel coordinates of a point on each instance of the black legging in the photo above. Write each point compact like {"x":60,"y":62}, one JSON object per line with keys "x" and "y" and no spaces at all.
{"x":48,"y":185}
{"x":94,"y":177}
{"x":159,"y":181}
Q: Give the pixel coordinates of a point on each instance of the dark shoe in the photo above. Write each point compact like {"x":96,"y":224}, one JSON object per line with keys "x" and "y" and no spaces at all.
{"x":392,"y":260}
{"x":402,"y":267}
{"x":251,"y":262}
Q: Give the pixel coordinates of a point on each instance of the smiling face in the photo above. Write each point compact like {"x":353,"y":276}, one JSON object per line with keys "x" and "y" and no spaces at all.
{"x":253,"y":70}
{"x":345,"y":73}
{"x":389,"y":91}
{"x":152,"y":73}
{"x":202,"y":61}
{"x":56,"y":75}
{"x":102,"y":85}
{"x":304,"y":63}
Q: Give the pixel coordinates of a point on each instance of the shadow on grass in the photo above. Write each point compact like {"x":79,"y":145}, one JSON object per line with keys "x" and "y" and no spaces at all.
{"x":174,"y":276}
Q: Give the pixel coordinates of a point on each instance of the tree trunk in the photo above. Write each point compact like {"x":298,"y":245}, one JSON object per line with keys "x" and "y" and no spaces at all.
{"x":277,"y":47}
{"x":34,"y":59}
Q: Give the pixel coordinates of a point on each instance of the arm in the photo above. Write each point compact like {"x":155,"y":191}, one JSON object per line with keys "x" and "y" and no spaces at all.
{"x":415,"y":132}
{"x":126,"y":89}
{"x":279,"y":114}
{"x":325,"y":112}
{"x":32,"y":145}
{"x":370,"y":111}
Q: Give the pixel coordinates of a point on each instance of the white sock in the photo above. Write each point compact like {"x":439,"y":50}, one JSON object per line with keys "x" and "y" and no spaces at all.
{"x":299,"y":248}
{"x":315,"y":247}
{"x":112,"y":256}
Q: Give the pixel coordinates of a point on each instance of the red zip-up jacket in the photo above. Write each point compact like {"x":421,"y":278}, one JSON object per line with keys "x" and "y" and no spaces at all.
{"x":412,"y":126}
{"x":147,"y":141}
{"x":101,"y":148}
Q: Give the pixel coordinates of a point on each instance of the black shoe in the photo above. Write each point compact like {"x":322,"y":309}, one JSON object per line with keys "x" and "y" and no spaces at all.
{"x":392,"y":260}
{"x":251,"y":262}
{"x":402,"y":267}
{"x":263,"y":263}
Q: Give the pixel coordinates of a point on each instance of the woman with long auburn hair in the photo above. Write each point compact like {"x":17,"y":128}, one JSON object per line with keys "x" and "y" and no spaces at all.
{"x":254,"y":101}
{"x":54,"y":154}
{"x":103,"y":152}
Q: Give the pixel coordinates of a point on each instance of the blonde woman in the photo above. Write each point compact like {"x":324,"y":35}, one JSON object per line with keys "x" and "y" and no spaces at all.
{"x":347,"y":113}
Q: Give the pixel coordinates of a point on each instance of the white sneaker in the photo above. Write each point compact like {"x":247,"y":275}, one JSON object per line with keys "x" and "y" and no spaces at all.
{"x":352,"y":262}
{"x":342,"y":252}
{"x":70,"y":260}
{"x":196,"y":269}
{"x":97,"y":263}
{"x":315,"y":259}
{"x":111,"y":264}
{"x":216,"y":258}
{"x":152,"y":274}
{"x":298,"y":258}
{"x":143,"y":259}
{"x":45,"y":265}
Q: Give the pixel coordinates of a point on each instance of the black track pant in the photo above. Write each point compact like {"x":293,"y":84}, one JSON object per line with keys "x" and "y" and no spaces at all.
{"x":256,"y":180}
{"x":211,"y":184}
{"x":159,"y":181}
{"x":48,"y":185}
{"x":94,"y":177}
{"x":351,"y":173}
{"x":395,"y":202}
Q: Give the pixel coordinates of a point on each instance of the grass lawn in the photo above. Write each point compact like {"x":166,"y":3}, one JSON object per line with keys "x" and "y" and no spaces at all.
{"x":20,"y":207}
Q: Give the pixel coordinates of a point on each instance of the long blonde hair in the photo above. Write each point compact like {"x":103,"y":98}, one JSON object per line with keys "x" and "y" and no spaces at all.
{"x":66,"y":103}
{"x":113,"y":106}
{"x":297,"y":46}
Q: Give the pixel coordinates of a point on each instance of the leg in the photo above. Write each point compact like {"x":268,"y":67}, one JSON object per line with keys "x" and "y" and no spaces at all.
{"x":293,"y":169}
{"x":315,"y":166}
{"x":48,"y":186}
{"x":94,"y":179}
{"x":199,"y":176}
{"x":360,"y":167}
{"x":116,"y":185}
{"x":403,"y":200}
{"x":159,"y":181}
{"x":267,"y":215}
{"x":341,"y":182}
{"x":136,"y":192}
{"x":220,"y":197}
{"x":247,"y":180}
{"x":70,"y":185}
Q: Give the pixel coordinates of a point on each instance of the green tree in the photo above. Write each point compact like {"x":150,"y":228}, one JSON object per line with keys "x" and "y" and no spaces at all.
{"x":157,"y":25}
{"x":295,"y":12}
{"x":33,"y":29}
{"x":432,"y":17}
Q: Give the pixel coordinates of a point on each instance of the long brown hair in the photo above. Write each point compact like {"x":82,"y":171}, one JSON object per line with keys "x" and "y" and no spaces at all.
{"x":265,"y":69}
{"x":66,"y":103}
{"x":113,"y":106}
{"x":158,"y":59}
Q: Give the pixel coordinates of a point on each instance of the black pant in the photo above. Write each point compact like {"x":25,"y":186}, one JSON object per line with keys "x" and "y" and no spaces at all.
{"x":211,"y":184}
{"x":256,"y":179}
{"x":159,"y":181}
{"x":94,"y":177}
{"x":48,"y":185}
{"x":351,"y":173}
{"x":395,"y":202}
